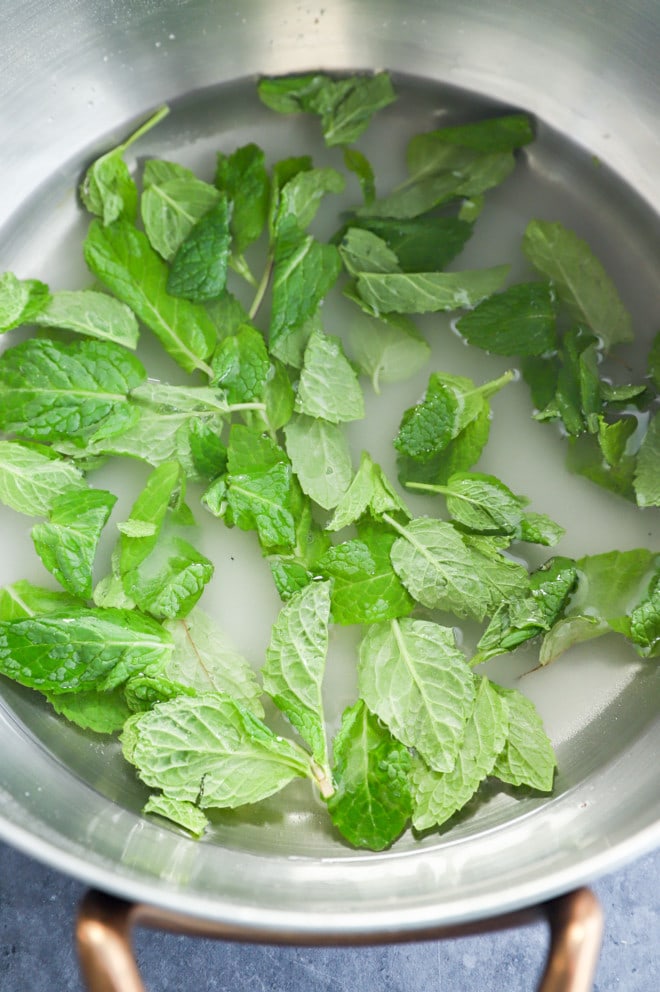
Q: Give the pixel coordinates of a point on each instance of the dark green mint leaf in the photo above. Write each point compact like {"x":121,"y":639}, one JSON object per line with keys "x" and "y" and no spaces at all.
{"x":360,"y":166}
{"x":199,"y":268}
{"x":518,"y":321}
{"x":459,"y":455}
{"x":32,"y":477}
{"x":647,"y":472}
{"x":241,"y":365}
{"x":580,"y":279}
{"x":371,"y":804}
{"x":422,"y":244}
{"x":242,"y":176}
{"x":290,"y":94}
{"x":328,"y":386}
{"x":495,"y":134}
{"x":645,"y":621}
{"x":412,"y":675}
{"x":170,"y":209}
{"x":527,"y":758}
{"x":428,"y":292}
{"x":321,"y":459}
{"x":21,"y":300}
{"x":122,"y":258}
{"x":95,"y":315}
{"x":207,"y":450}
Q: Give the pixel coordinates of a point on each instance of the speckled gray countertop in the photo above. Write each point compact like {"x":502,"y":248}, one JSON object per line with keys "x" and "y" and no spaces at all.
{"x":38,"y":907}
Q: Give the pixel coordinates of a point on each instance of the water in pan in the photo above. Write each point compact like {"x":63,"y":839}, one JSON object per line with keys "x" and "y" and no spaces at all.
{"x":585,"y":694}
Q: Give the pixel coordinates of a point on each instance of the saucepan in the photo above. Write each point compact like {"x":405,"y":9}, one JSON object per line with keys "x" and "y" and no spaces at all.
{"x":75,"y":75}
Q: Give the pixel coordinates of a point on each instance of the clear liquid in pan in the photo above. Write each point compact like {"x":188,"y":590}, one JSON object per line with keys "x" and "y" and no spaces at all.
{"x":580,"y":696}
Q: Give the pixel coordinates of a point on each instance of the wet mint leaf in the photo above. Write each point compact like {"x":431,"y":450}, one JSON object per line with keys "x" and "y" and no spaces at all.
{"x":23,"y":599}
{"x":170,"y":580}
{"x":241,"y":365}
{"x":647,"y":471}
{"x":427,"y":292}
{"x":301,"y":197}
{"x":359,"y":165}
{"x":183,"y":814}
{"x":328,"y":386}
{"x":93,"y":314}
{"x":170,"y":208}
{"x":528,"y":758}
{"x":199,"y":267}
{"x":321,"y":459}
{"x":21,"y":300}
{"x":32,"y":477}
{"x":518,"y":321}
{"x":494,"y":134}
{"x":421,"y":244}
{"x":369,"y":491}
{"x":243,"y":178}
{"x":387,"y":350}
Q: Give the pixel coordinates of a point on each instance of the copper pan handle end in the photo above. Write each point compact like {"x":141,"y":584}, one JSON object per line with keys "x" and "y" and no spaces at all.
{"x":108,"y":963}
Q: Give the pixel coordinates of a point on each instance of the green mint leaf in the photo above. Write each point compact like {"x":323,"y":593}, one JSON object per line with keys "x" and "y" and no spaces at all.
{"x":207,"y":450}
{"x":647,"y":471}
{"x":32,"y":477}
{"x":290,"y":348}
{"x":518,"y":321}
{"x":460,"y":454}
{"x":278,"y":396}
{"x":412,"y":675}
{"x":205,"y":660}
{"x":438,"y":795}
{"x":100,"y":712}
{"x":537,"y":528}
{"x":421,"y":244}
{"x":359,"y":165}
{"x":370,"y":491}
{"x":184,"y":814}
{"x":21,"y":300}
{"x":328,"y":386}
{"x":282,"y":173}
{"x":107,"y":189}
{"x":441,"y":570}
{"x":162,"y":491}
{"x":495,"y":134}
{"x":482,"y":503}
{"x":199,"y":267}
{"x":371,"y":804}
{"x":143,"y":692}
{"x":241,"y":365}
{"x":303,"y":272}
{"x":645,"y":622}
{"x":428,"y":292}
{"x":123,"y":260}
{"x":527,"y":758}
{"x":585,"y":456}
{"x":242,"y":176}
{"x":93,"y":314}
{"x":158,"y":170}
{"x":170,"y":580}
{"x":654,"y":362}
{"x":23,"y":599}
{"x":301,"y":197}
{"x":290,"y":94}
{"x":171,"y":207}
{"x":209,"y":751}
{"x":365,"y":587}
{"x":363,"y":251}
{"x":321,"y":459}
{"x":295,"y":664}
{"x":51,"y":391}
{"x":259,"y":488}
{"x":387,"y":350}
{"x":580,"y":280}
{"x":80,"y":649}
{"x":67,"y":543}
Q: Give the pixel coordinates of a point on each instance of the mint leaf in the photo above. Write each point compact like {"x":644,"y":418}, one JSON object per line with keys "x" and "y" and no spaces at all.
{"x":301,"y":196}
{"x":303,"y":272}
{"x":428,"y":292}
{"x":140,"y":533}
{"x":51,"y":391}
{"x":107,"y":189}
{"x":359,"y":165}
{"x":460,"y":454}
{"x":124,"y":261}
{"x":21,"y":300}
{"x":242,"y":176}
{"x":481,"y":503}
{"x":647,"y":471}
{"x":170,"y":580}
{"x":645,"y":622}
{"x":371,"y":803}
{"x":80,"y":649}
{"x":67,"y":543}
{"x":321,"y":459}
{"x":328,"y":386}
{"x":295,"y":663}
{"x":494,"y":134}
{"x":363,"y":251}
{"x":412,"y":675}
{"x":205,"y":660}
{"x":93,"y":314}
{"x":100,"y":712}
{"x":370,"y":492}
{"x":527,"y":758}
{"x":23,"y":599}
{"x":171,"y":207}
{"x":32,"y":477}
{"x":518,"y":321}
{"x":580,"y":280}
{"x":438,"y":795}
{"x":421,"y":244}
{"x":259,"y":488}
{"x":199,"y":267}
{"x":208,"y":751}
{"x":654,"y":362}
{"x":365,"y":587}
{"x":387,"y":350}
{"x":183,"y":814}
{"x":241,"y":365}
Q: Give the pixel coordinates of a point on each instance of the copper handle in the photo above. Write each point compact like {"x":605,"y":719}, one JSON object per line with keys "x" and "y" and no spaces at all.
{"x":108,"y":963}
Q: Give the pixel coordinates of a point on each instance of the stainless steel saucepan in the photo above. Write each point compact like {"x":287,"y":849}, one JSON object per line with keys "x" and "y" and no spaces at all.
{"x":73,"y":75}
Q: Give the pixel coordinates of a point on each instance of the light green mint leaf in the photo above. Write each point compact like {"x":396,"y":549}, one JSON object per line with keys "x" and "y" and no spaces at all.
{"x":438,"y":795}
{"x":295,"y":664}
{"x":205,"y":660}
{"x":143,"y":692}
{"x":527,"y":758}
{"x":363,"y":251}
{"x":170,"y":580}
{"x":569,"y":631}
{"x":328,"y":386}
{"x":21,"y":300}
{"x":421,"y":244}
{"x":580,"y":280}
{"x":100,"y":712}
{"x":301,"y":197}
{"x":199,"y":267}
{"x":537,"y":528}
{"x":441,"y":570}
{"x":80,"y":649}
{"x":23,"y":599}
{"x":321,"y":459}
{"x":370,"y":491}
{"x":96,"y":315}
{"x":32,"y":477}
{"x":481,"y":503}
{"x":365,"y":587}
{"x":371,"y":804}
{"x":645,"y":622}
{"x":290,"y":94}
{"x":51,"y":391}
{"x":428,"y":292}
{"x":303,"y":272}
{"x":241,"y":365}
{"x":162,"y":491}
{"x":495,"y":134}
{"x":412,"y":675}
{"x":359,"y":165}
{"x":184,"y":814}
{"x":282,"y":173}
{"x":208,"y":751}
{"x":387,"y":350}
{"x":518,"y":321}
{"x":107,"y":189}
{"x":67,"y":543}
{"x":647,"y":472}
{"x":123,"y":260}
{"x":290,"y":348}
{"x":170,"y":209}
{"x":158,"y":170}
{"x":242,"y":176}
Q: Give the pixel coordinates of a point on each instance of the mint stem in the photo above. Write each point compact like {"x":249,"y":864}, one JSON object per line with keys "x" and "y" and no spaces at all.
{"x":261,"y":289}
